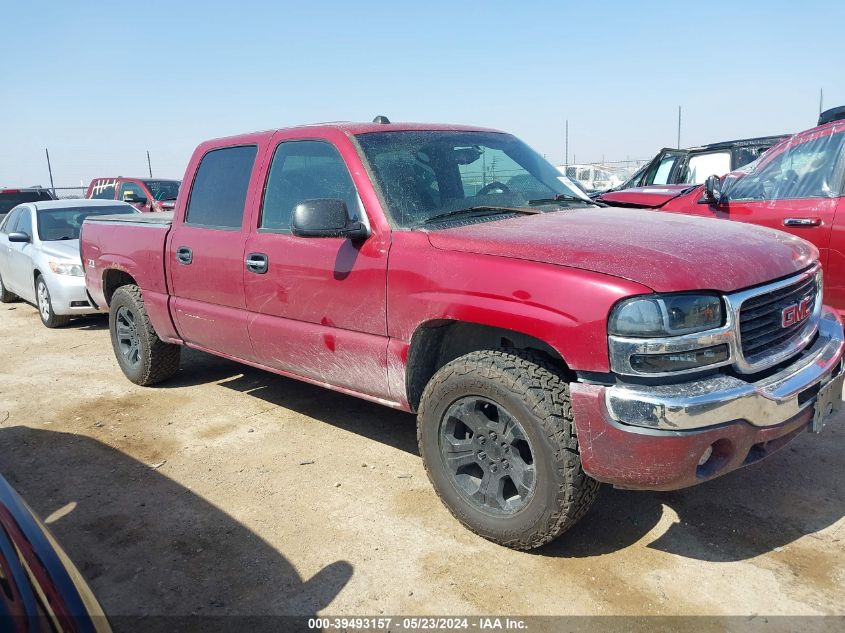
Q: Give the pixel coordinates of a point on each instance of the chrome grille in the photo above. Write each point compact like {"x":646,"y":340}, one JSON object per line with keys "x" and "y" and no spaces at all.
{"x":760,"y":317}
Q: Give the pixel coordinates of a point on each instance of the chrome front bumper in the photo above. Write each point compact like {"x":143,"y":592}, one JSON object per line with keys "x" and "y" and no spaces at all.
{"x":721,"y":398}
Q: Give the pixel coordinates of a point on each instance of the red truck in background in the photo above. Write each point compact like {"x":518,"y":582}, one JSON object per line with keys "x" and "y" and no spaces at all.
{"x":545,"y":344}
{"x":798,"y":186}
{"x":145,"y":194}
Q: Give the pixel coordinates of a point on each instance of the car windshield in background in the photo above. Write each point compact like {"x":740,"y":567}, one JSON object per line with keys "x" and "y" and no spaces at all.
{"x":11,"y":199}
{"x":433,"y":174}
{"x":64,"y":224}
{"x":163,"y":189}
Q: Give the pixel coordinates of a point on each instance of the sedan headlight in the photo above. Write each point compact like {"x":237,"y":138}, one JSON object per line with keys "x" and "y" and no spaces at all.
{"x":67,"y":268}
{"x":666,"y":315}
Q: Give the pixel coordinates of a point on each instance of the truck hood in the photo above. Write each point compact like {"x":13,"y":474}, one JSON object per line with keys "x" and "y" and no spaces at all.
{"x":665,"y":252}
{"x":651,"y":197}
{"x":64,"y":249}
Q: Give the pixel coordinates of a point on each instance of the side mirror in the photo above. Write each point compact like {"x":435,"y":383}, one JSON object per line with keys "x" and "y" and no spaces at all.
{"x":326,"y":217}
{"x":18,"y":237}
{"x":713,"y":190}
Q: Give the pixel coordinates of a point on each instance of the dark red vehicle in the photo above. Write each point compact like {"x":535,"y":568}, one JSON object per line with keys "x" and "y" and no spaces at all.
{"x":145,"y":194}
{"x":545,"y":344}
{"x":798,"y":186}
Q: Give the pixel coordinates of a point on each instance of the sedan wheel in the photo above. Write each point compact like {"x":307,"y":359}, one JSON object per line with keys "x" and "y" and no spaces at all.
{"x":45,"y":306}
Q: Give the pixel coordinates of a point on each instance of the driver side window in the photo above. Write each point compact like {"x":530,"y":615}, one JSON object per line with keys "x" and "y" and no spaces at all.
{"x":800,"y":171}
{"x":10,"y":221}
{"x":25,"y":222}
{"x":130,"y":188}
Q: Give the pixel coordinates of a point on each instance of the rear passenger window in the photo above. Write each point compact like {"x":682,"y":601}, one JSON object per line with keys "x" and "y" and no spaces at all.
{"x":305,"y":170}
{"x":103,"y":190}
{"x":219,"y":191}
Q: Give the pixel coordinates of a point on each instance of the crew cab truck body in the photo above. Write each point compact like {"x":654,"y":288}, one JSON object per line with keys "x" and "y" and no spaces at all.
{"x":798,"y":186}
{"x":545,"y":344}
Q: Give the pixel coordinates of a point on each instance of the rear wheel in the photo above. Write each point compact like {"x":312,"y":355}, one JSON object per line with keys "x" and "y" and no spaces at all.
{"x":144,"y":358}
{"x":5,"y":295}
{"x":497,"y":438}
{"x":45,"y":305}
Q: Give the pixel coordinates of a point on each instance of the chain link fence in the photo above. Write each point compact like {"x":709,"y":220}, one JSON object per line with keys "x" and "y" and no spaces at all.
{"x":69,"y":193}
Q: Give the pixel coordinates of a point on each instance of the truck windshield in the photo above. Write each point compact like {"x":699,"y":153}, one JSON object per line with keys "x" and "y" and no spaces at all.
{"x":64,"y":224}
{"x":423,"y":174}
{"x":163,"y":189}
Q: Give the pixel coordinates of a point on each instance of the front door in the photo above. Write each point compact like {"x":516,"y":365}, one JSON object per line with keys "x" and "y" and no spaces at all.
{"x":318,"y":310}
{"x":795,"y":190}
{"x":206,"y":254}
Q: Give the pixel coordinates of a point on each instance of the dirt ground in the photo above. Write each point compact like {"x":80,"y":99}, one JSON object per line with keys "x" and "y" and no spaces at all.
{"x":231,"y":490}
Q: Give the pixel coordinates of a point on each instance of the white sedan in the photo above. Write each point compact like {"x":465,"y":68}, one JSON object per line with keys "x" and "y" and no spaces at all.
{"x":39,"y":256}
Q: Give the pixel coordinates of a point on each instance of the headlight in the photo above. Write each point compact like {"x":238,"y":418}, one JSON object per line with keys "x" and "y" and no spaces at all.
{"x":67,"y":268}
{"x":666,"y":315}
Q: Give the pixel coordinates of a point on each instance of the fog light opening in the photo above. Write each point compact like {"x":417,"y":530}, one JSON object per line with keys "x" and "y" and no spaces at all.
{"x":714,"y":458}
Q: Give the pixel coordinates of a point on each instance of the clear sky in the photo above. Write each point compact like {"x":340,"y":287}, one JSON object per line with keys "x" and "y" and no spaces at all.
{"x":99,"y":83}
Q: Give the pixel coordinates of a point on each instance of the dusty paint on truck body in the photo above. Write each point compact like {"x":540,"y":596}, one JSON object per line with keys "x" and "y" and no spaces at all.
{"x":343,"y":314}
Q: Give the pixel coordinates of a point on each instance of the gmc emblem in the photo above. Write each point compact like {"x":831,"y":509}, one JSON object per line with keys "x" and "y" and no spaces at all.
{"x":795,"y":313}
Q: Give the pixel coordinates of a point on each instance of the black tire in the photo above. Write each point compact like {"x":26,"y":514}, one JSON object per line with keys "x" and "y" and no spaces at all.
{"x":45,"y":305}
{"x":144,"y":358}
{"x":527,"y":392}
{"x":5,"y":295}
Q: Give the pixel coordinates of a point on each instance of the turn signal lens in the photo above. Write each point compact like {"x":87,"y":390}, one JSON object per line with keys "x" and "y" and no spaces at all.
{"x":676,"y":361}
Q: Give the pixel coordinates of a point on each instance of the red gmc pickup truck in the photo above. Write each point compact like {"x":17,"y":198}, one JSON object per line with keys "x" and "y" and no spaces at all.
{"x":798,"y":186}
{"x":546,"y":344}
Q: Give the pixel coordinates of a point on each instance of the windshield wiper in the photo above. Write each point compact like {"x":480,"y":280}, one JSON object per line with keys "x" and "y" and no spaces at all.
{"x":565,"y":197}
{"x":483,"y":209}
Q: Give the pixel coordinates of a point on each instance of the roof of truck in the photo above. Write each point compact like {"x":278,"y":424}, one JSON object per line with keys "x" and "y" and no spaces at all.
{"x":354,"y":128}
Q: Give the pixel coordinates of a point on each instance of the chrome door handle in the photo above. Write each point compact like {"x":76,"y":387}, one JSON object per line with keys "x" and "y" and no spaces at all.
{"x":257,"y":263}
{"x":802,"y":222}
{"x":184,"y":255}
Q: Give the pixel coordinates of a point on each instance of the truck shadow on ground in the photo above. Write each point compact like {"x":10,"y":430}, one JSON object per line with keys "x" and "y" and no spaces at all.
{"x":796,"y":492}
{"x":149,"y":546}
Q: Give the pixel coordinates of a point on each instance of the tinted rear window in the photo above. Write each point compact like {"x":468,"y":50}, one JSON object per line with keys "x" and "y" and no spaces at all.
{"x":219,"y":191}
{"x":9,"y":200}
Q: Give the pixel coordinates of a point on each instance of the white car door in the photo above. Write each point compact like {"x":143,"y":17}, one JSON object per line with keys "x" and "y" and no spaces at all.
{"x":20,"y":258}
{"x":6,"y":248}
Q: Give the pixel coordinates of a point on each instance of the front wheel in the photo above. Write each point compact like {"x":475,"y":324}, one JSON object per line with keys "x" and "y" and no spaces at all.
{"x":497,"y":437}
{"x":45,"y":306}
{"x":144,"y":358}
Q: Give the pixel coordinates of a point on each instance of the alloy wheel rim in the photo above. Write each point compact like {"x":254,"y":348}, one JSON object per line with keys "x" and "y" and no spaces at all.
{"x":128,"y":340}
{"x":43,"y":301}
{"x":488,"y":455}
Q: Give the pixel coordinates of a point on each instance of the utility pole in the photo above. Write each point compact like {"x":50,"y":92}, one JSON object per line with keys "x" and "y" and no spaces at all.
{"x":679,"y":127}
{"x":821,"y":99}
{"x":566,"y":157}
{"x":149,"y":165}
{"x":50,"y":169}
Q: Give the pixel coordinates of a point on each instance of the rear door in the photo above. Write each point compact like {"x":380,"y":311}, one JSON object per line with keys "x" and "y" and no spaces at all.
{"x":206,"y":253}
{"x":319,"y":307}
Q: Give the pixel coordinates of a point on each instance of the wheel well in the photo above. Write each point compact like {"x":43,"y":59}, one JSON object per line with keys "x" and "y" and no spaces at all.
{"x":439,"y":342}
{"x":114,"y":279}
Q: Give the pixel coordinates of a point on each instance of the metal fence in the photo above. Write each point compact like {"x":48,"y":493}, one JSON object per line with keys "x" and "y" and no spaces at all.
{"x":69,"y":193}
